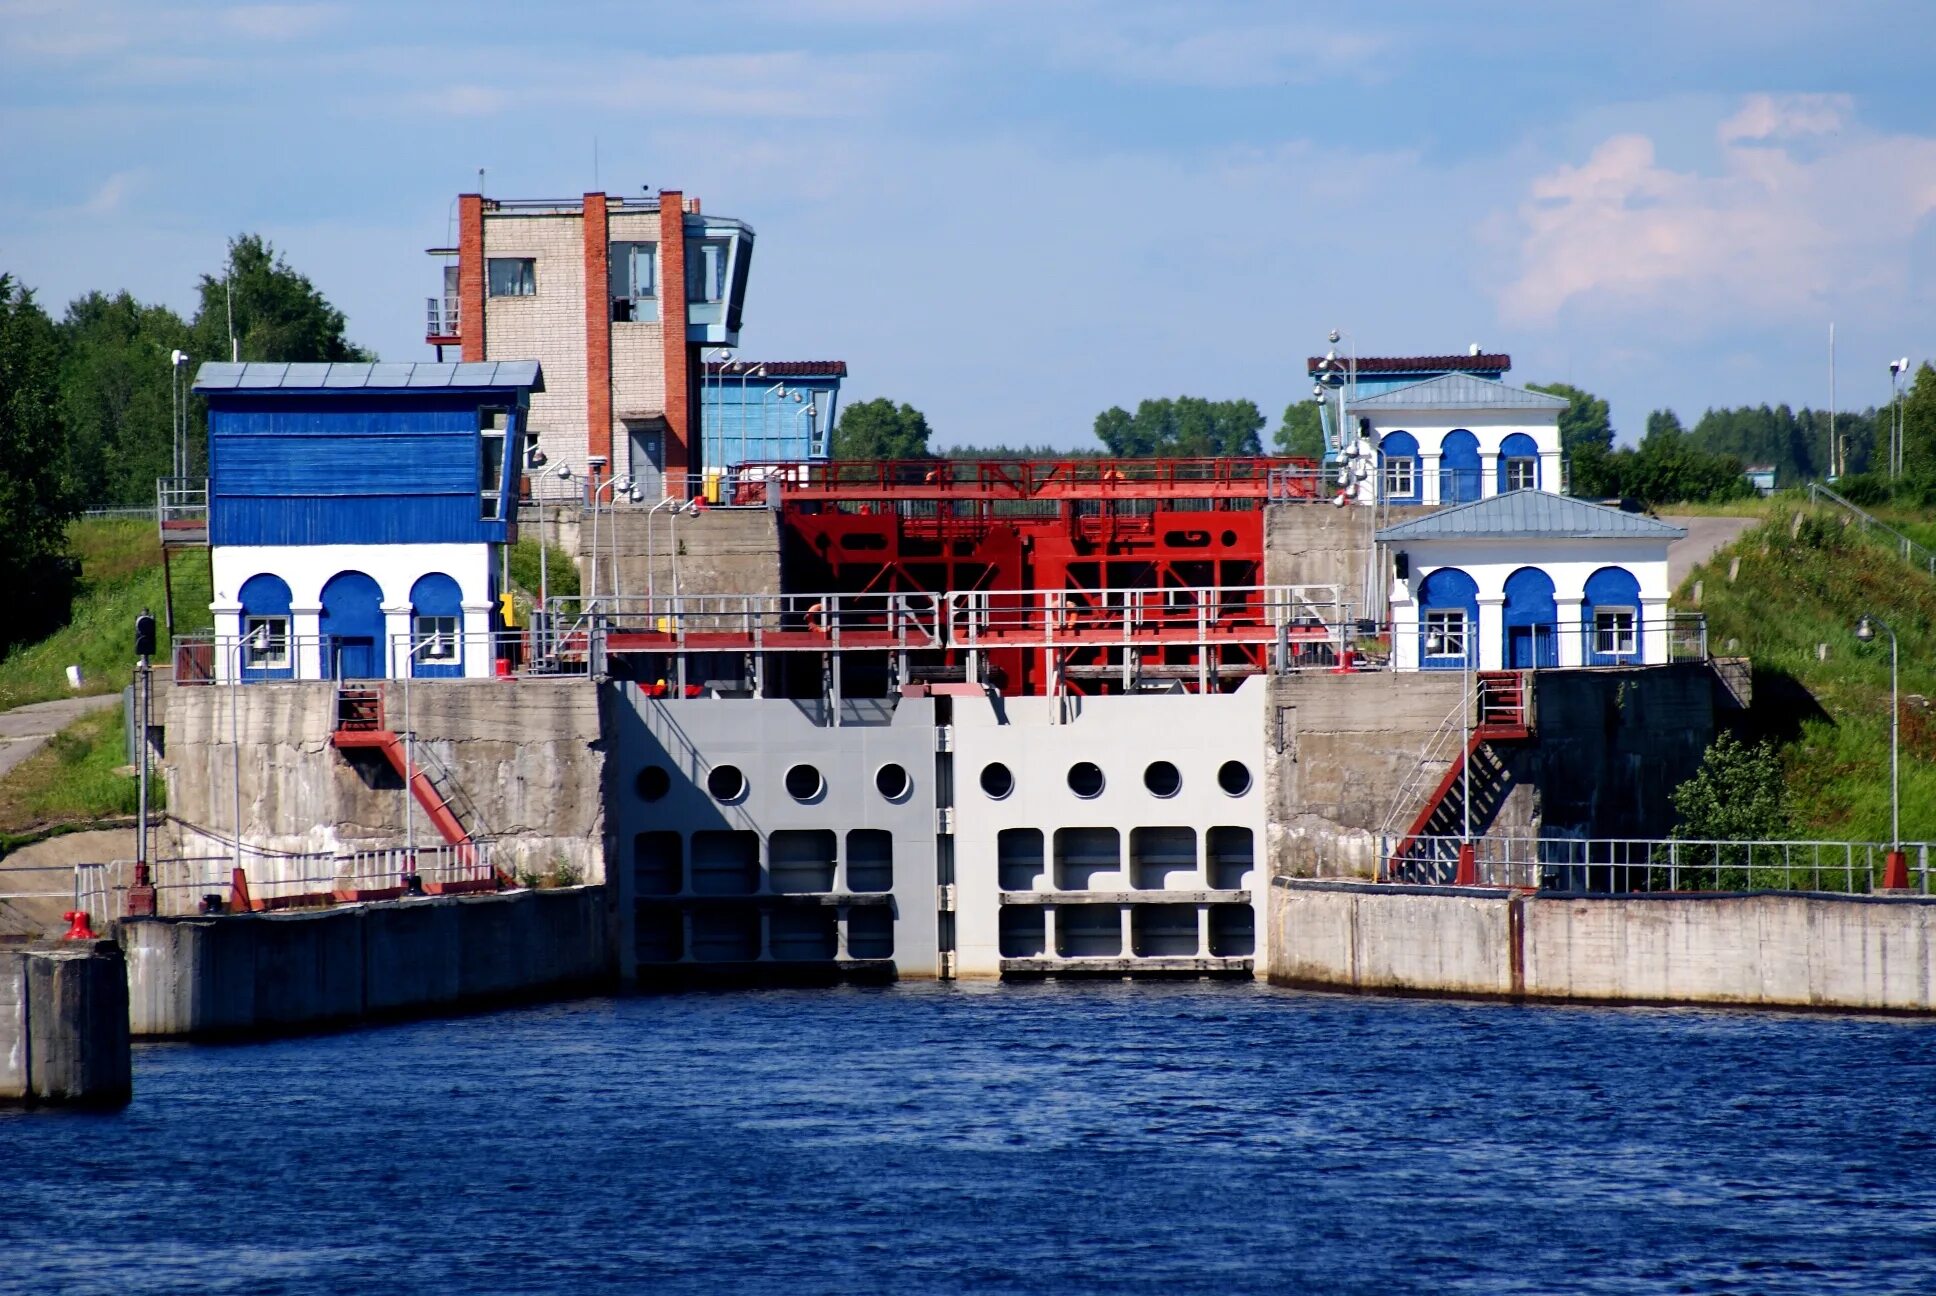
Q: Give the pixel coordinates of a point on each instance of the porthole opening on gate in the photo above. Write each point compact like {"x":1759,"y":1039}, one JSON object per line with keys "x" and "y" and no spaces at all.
{"x":892,"y":782}
{"x":803,"y":783}
{"x":726,"y":783}
{"x":1234,"y":778}
{"x":1085,"y":779}
{"x":996,"y":780}
{"x":653,"y":783}
{"x":1162,"y":779}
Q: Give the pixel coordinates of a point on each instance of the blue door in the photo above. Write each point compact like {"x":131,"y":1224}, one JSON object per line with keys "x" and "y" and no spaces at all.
{"x":352,"y":627}
{"x":1530,"y":615}
{"x":1458,"y":467}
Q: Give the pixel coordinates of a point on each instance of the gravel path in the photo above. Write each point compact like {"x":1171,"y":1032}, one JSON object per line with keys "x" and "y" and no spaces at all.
{"x":24,"y":730}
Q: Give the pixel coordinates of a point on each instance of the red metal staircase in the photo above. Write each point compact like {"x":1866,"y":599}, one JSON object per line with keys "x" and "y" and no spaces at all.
{"x":360,"y":727}
{"x":1501,"y":714}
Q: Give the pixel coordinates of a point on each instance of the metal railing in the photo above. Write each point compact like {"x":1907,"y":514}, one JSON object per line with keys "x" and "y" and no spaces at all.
{"x":1132,"y":617}
{"x":1910,"y":551}
{"x":204,"y":657}
{"x":755,"y":622}
{"x":196,"y":884}
{"x":181,"y":508}
{"x":1621,"y":866}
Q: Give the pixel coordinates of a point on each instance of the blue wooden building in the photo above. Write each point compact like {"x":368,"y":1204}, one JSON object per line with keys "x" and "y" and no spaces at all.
{"x":356,"y":513}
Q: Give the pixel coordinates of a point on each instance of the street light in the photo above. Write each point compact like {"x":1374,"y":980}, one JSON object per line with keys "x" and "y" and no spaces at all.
{"x":1896,"y":875}
{"x":621,"y":484}
{"x":1897,"y":369}
{"x":562,"y":471}
{"x":436,"y":642}
{"x":255,"y":641}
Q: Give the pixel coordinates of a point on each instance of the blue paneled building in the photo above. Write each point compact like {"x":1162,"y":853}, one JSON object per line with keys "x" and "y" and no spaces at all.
{"x":356,"y":513}
{"x":769,"y":411}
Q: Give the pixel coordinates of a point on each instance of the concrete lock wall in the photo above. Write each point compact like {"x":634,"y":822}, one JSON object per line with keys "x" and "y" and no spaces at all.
{"x":1766,"y":949}
{"x":268,"y":973}
{"x":526,"y":752}
{"x":64,"y":1025}
{"x":720,"y":551}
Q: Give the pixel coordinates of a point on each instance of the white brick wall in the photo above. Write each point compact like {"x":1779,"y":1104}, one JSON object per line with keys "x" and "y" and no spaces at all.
{"x":549,"y":327}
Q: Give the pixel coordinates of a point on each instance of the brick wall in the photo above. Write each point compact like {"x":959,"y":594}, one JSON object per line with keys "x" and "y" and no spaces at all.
{"x":678,"y":356}
{"x":638,"y":349}
{"x":598,"y":331}
{"x":548,"y":327}
{"x":470,"y":275}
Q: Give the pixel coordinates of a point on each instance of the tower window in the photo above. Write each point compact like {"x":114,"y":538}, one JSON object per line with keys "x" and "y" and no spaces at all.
{"x":512,"y":276}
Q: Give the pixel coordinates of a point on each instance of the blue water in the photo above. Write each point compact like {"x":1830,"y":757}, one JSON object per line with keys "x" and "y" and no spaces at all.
{"x":1056,"y":1139}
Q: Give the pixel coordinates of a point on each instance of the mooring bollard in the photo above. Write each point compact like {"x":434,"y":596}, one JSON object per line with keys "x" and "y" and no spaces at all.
{"x":1468,"y":872}
{"x":1895,"y":871}
{"x":77,"y":928}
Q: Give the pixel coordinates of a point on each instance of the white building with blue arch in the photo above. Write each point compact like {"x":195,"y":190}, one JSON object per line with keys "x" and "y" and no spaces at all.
{"x":1528,"y":579}
{"x":356,"y":512}
{"x":1456,"y":438}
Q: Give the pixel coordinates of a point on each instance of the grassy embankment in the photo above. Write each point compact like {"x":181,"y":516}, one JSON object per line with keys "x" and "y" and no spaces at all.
{"x":78,"y":780}
{"x":1799,"y":588}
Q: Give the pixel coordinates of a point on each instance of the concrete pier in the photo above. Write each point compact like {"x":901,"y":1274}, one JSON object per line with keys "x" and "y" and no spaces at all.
{"x":64,"y":1025}
{"x":1762,"y":949}
{"x":266,"y":974}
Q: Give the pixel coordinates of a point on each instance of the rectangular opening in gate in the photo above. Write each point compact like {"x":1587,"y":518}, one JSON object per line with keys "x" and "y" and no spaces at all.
{"x":658,"y":863}
{"x":1018,"y":859}
{"x":1231,"y":857}
{"x":1233,"y":931}
{"x":725,"y":862}
{"x":1088,"y":859}
{"x":1159,"y":930}
{"x":870,"y":932}
{"x":870,"y":860}
{"x":1162,"y":858}
{"x":725,"y":935}
{"x":800,"y":935}
{"x":1023,"y":931}
{"x":1089,"y":931}
{"x":659,"y":934}
{"x":800,"y":861}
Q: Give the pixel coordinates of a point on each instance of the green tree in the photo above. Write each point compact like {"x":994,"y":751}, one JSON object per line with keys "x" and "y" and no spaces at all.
{"x":879,"y":429}
{"x":1919,"y":430}
{"x":1302,"y":431}
{"x":116,"y":397}
{"x":1668,"y":468}
{"x":1586,"y":420}
{"x":1738,"y":794}
{"x":1187,"y":426}
{"x":37,"y":584}
{"x":278,"y":314}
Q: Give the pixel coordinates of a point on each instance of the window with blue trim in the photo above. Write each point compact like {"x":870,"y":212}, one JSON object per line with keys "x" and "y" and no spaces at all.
{"x":1613,"y":618}
{"x":437,"y":610}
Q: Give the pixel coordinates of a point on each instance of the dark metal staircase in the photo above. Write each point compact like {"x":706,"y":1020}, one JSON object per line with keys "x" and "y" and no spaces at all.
{"x":1501,"y":714}
{"x":360,"y":726}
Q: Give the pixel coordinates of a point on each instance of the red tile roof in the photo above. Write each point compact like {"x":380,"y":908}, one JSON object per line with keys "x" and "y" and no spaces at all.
{"x":1422,"y":364}
{"x":779,"y":368}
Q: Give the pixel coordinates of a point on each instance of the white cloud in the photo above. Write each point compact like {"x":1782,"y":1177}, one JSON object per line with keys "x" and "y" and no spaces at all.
{"x":280,"y":22}
{"x":1802,"y":209}
{"x":112,"y":193}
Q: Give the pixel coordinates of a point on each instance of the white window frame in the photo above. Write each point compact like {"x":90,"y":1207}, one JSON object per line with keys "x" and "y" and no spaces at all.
{"x":1529,"y":465}
{"x":521,"y":282}
{"x":1440,"y":623}
{"x":627,"y":255}
{"x":493,"y":424}
{"x":1609,"y":630}
{"x":274,"y":652}
{"x":698,"y":283}
{"x":1401,"y":469}
{"x":424,"y":628}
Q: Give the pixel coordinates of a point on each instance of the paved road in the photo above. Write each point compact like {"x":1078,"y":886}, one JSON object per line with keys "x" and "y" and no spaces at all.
{"x":1705,"y":537}
{"x":24,"y":730}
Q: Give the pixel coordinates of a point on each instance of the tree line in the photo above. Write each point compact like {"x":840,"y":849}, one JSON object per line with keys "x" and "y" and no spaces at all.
{"x":87,"y":405}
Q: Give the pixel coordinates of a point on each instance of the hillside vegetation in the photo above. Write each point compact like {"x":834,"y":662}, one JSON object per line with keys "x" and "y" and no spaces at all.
{"x":1801,"y":585}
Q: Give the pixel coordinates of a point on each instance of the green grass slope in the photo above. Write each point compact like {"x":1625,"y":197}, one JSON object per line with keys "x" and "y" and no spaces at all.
{"x":120,"y":574}
{"x":1803,"y":586}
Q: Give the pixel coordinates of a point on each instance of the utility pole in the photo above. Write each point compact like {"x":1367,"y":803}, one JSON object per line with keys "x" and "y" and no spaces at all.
{"x":141,"y":895}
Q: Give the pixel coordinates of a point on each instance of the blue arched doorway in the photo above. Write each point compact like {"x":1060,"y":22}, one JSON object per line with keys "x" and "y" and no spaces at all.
{"x":1613,"y":626}
{"x":1458,"y":467}
{"x":437,"y":626}
{"x":1448,"y":617}
{"x":265,"y":649}
{"x":1518,"y":463}
{"x":1531,"y":616}
{"x":352,"y":626}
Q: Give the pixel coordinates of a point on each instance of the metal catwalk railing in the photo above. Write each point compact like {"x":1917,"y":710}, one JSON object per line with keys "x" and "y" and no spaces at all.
{"x":1619,"y":865}
{"x":206,"y":883}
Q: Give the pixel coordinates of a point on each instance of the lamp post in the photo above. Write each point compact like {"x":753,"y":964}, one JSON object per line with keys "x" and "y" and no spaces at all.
{"x":691,"y":509}
{"x":562,"y":471}
{"x":1897,"y":370}
{"x":434,"y":641}
{"x":1896,"y":875}
{"x":253,"y":641}
{"x":621,"y":484}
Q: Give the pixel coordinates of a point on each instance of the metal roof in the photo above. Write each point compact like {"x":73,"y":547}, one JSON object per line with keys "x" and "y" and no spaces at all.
{"x":1532,"y":513}
{"x":260,"y":376}
{"x":778,"y":368}
{"x":1460,"y":391}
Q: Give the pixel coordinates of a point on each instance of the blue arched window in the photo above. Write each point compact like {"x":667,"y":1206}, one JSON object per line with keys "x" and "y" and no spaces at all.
{"x":1518,"y":463}
{"x":1613,"y":629}
{"x":437,"y":625}
{"x":1400,"y":450}
{"x":1448,"y":619}
{"x":265,"y":649}
{"x":1458,"y":467}
{"x":352,"y":626}
{"x":1531,"y":617}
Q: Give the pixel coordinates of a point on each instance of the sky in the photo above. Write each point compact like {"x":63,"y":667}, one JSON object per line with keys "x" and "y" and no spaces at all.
{"x":1014,"y":214}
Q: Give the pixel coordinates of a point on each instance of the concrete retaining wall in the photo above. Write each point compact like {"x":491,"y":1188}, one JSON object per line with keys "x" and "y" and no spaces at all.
{"x":270,"y":973}
{"x":1766,"y":949}
{"x":64,"y":1025}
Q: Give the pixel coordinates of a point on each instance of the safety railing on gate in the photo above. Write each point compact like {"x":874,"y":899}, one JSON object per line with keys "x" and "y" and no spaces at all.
{"x":754,"y":622}
{"x":207,"y":883}
{"x":1259,"y":614}
{"x":1654,"y":865}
